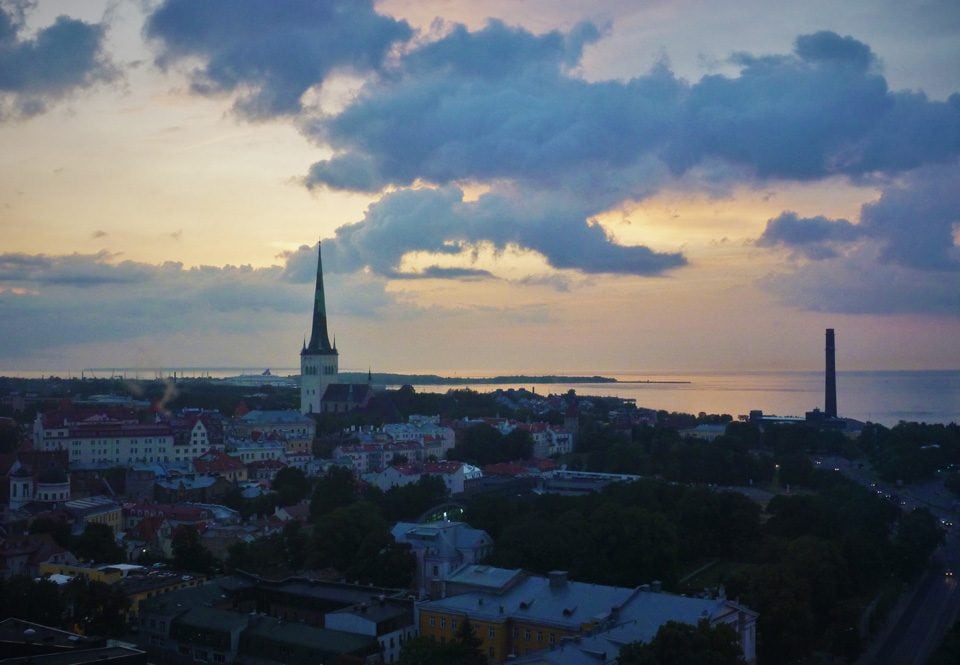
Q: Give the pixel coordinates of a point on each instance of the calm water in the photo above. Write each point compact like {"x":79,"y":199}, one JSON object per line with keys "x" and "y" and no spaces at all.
{"x":879,"y":396}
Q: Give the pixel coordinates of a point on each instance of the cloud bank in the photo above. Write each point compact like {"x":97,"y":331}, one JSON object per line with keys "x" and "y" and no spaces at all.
{"x":59,"y":60}
{"x":902,"y":257}
{"x":140,"y":300}
{"x":271,"y":53}
{"x":509,"y":109}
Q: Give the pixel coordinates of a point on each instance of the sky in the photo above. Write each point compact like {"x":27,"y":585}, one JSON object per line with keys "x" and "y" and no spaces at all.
{"x":542,"y":186}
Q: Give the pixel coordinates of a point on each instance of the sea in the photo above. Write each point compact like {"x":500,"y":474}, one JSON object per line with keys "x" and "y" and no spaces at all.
{"x":885,"y":397}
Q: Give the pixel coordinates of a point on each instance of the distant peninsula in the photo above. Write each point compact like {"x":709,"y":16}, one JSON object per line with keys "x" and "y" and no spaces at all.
{"x":384,"y":378}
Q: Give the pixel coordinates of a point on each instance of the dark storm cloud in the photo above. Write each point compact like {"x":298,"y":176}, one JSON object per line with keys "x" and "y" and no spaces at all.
{"x":499,"y":103}
{"x":914,"y":223}
{"x":439,"y":272}
{"x":919,"y":219}
{"x":81,"y":270}
{"x":440,"y":221}
{"x":272,"y":52}
{"x":825,"y":110}
{"x":60,"y":59}
{"x":505,"y":107}
{"x":901,"y":258}
{"x":496,"y":103}
{"x":862,"y":283}
{"x":813,"y":236}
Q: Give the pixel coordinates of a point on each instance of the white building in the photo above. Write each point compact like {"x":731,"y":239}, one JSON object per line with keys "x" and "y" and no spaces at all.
{"x":391,"y":623}
{"x":256,"y":451}
{"x":441,"y":548}
{"x":101,"y":440}
{"x":296,"y":430}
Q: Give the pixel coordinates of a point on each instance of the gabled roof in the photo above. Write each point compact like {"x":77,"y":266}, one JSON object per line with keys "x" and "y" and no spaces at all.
{"x":217,"y":461}
{"x":38,"y":547}
{"x":453,"y":535}
{"x":353,"y":393}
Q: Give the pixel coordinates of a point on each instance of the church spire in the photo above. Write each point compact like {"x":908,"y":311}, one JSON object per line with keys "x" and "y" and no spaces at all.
{"x":319,"y":340}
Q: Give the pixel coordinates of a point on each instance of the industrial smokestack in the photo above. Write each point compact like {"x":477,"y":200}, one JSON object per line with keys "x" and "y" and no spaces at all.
{"x":830,"y":386}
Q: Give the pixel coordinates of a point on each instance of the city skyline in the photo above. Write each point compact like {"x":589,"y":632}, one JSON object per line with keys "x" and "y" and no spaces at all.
{"x":498,"y":186}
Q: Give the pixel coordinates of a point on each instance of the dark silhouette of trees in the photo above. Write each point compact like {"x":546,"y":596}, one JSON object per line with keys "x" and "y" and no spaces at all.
{"x":291,"y":485}
{"x":58,"y":529}
{"x":683,"y":644}
{"x":464,"y":649}
{"x":189,"y":552}
{"x":336,"y":489}
{"x":483,"y":444}
{"x":39,"y":601}
{"x":100,"y":609}
{"x":98,"y":544}
{"x":918,"y":535}
{"x":948,"y":653}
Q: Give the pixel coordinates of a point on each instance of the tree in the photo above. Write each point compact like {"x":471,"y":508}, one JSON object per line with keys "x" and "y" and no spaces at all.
{"x":98,"y":544}
{"x":26,"y":599}
{"x":682,"y":644}
{"x":338,"y":535}
{"x":58,"y":529}
{"x":383,"y":562}
{"x":97,"y":608}
{"x":463,"y":649}
{"x":334,"y":490}
{"x":291,"y":485}
{"x":189,"y":553}
{"x":948,"y":652}
{"x":918,"y":535}
{"x":422,"y":650}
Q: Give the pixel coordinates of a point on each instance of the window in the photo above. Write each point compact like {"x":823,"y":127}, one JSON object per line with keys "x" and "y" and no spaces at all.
{"x":491,"y":632}
{"x":491,"y":652}
{"x":218,"y":658}
{"x":539,"y":636}
{"x":433,"y":621}
{"x":443,"y":622}
{"x":553,"y":638}
{"x":526,"y":633}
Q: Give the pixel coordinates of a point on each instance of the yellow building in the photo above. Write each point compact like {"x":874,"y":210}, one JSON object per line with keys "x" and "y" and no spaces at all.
{"x":529,"y":614}
{"x":105,"y":574}
{"x":533,"y":614}
{"x":96,"y":510}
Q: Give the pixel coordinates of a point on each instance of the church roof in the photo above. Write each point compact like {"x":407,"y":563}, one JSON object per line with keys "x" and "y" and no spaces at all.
{"x":354,"y":393}
{"x":319,"y":339}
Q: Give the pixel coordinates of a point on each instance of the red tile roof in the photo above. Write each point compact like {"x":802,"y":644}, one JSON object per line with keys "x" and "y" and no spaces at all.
{"x":217,"y":461}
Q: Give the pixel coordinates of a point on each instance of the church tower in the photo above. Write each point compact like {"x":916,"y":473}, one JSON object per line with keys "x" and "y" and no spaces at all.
{"x":319,"y":359}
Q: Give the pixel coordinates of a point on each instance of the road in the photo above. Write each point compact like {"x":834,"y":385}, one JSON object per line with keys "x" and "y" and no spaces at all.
{"x":930,"y":613}
{"x":935,"y":602}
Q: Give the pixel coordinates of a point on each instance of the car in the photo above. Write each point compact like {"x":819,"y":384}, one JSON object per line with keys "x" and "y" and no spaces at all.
{"x":948,"y":572}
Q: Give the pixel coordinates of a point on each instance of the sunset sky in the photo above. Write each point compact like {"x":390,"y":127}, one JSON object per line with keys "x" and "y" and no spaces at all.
{"x":512,"y":185}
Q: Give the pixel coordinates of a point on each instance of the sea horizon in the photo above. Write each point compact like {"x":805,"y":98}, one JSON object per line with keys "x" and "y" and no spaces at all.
{"x":881,"y":396}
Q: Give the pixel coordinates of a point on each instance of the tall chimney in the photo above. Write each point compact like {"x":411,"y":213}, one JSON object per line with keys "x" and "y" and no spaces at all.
{"x":830,"y":386}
